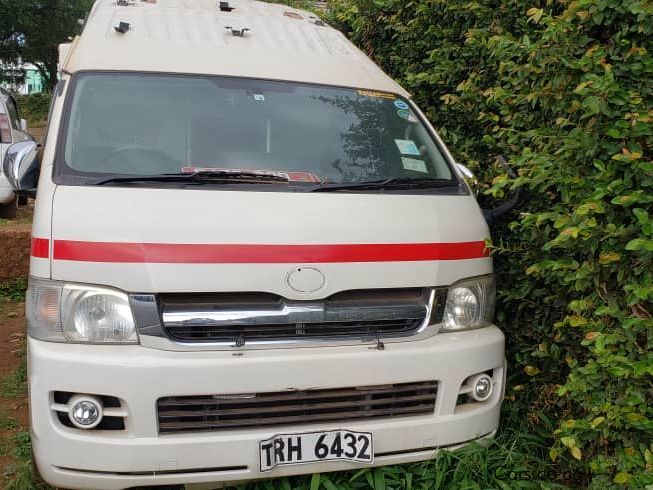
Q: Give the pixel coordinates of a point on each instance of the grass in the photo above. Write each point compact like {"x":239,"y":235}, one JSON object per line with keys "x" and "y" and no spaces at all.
{"x":19,"y":475}
{"x":22,"y":219}
{"x":13,"y":290}
{"x":15,"y":442}
{"x":14,"y":384}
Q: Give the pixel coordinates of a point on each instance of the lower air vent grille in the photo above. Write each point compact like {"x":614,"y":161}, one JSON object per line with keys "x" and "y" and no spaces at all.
{"x":218,"y":412}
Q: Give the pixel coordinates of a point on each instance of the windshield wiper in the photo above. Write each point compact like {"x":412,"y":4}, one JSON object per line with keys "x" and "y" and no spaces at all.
{"x":392,"y":183}
{"x":202,"y":177}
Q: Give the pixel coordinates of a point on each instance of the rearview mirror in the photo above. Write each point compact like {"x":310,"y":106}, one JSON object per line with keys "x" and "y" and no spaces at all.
{"x":21,"y":166}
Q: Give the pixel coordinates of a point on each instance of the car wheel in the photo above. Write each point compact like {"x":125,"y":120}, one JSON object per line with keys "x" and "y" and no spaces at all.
{"x":23,"y":200}
{"x":9,"y":210}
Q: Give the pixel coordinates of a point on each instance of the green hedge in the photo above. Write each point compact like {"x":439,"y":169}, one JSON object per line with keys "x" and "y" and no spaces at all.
{"x":565,"y":90}
{"x":34,"y":108}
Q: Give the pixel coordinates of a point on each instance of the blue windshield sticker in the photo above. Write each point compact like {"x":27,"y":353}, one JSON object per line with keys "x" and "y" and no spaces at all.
{"x":400,"y":104}
{"x":407,"y":147}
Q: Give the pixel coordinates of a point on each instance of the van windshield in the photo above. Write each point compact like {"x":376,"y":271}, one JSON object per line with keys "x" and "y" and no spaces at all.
{"x":148,"y":125}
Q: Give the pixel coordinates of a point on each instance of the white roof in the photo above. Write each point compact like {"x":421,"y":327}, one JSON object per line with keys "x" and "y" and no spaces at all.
{"x":190,"y":36}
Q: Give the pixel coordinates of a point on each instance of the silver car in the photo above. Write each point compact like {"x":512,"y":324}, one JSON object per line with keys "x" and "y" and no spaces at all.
{"x":12,"y":130}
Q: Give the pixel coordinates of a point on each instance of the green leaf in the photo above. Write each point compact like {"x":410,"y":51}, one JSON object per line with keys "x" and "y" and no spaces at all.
{"x":379,"y":479}
{"x":641,"y":215}
{"x":640,"y":244}
{"x":621,"y":478}
{"x":315,"y":481}
{"x":328,"y":484}
{"x":596,"y":422}
{"x":568,"y":441}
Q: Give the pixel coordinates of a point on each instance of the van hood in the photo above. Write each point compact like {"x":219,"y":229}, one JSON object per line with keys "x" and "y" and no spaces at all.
{"x":297,"y":245}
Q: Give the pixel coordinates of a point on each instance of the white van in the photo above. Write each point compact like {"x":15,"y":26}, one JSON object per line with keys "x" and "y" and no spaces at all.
{"x":252,"y":257}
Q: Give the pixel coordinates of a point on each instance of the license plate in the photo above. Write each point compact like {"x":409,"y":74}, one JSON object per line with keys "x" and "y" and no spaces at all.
{"x":313,"y":447}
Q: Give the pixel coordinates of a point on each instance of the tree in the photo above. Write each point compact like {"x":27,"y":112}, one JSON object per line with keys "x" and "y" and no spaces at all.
{"x":33,"y":29}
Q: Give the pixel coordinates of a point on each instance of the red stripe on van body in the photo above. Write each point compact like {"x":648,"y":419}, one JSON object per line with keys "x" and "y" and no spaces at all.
{"x":40,"y":248}
{"x":172,"y":253}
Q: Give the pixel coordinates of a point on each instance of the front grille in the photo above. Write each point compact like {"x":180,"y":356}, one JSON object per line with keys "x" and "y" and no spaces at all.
{"x":217,"y":412}
{"x":238,"y":319}
{"x":241,"y":334}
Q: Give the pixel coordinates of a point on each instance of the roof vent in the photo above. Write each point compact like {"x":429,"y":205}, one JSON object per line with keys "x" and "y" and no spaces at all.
{"x":122,"y":27}
{"x":238,"y":32}
{"x":225,"y":7}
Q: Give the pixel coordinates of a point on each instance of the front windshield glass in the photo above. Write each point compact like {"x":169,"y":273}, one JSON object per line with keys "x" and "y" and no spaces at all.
{"x":136,"y":124}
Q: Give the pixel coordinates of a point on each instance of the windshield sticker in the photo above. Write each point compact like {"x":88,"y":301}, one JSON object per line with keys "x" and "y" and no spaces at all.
{"x":291,"y":176}
{"x":404,"y":114}
{"x":373,"y":93}
{"x":259,"y":97}
{"x":414,"y":165}
{"x":407,"y":115}
{"x":400,"y":104}
{"x":407,"y":147}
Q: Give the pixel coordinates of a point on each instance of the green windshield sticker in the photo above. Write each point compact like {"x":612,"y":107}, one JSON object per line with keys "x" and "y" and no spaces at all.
{"x":414,"y":165}
{"x":407,"y":147}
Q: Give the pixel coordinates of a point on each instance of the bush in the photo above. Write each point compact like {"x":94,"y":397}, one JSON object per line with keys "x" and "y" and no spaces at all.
{"x":34,"y":108}
{"x":566,"y":91}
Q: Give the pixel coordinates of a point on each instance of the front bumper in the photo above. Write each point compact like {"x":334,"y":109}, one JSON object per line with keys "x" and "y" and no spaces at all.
{"x":138,"y":455}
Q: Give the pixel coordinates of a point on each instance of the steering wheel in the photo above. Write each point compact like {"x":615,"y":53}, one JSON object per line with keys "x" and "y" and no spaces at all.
{"x":129,"y":158}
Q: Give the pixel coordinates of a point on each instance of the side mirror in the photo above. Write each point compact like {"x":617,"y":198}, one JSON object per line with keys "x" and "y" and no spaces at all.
{"x":491,"y":215}
{"x":469,"y":177}
{"x":23,"y":125}
{"x":21,"y":166}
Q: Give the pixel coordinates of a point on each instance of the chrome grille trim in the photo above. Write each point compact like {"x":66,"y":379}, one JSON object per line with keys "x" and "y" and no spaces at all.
{"x":244,"y":318}
{"x":198,"y":309}
{"x":220,"y":412}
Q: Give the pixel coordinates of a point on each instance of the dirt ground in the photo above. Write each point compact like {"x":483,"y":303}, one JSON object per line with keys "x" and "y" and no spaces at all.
{"x":14,"y":426}
{"x":14,"y":250}
{"x":13,"y":401}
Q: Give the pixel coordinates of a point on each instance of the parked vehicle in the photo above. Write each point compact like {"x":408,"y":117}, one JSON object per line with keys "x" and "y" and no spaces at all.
{"x":252,"y":257}
{"x":12,"y":130}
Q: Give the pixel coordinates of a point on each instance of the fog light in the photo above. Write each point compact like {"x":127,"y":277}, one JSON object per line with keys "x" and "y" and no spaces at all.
{"x":85,"y":412}
{"x":482,"y":387}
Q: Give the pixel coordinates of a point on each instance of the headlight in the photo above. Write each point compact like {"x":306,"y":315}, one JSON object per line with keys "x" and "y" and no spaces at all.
{"x":61,"y":312}
{"x":470,"y":304}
